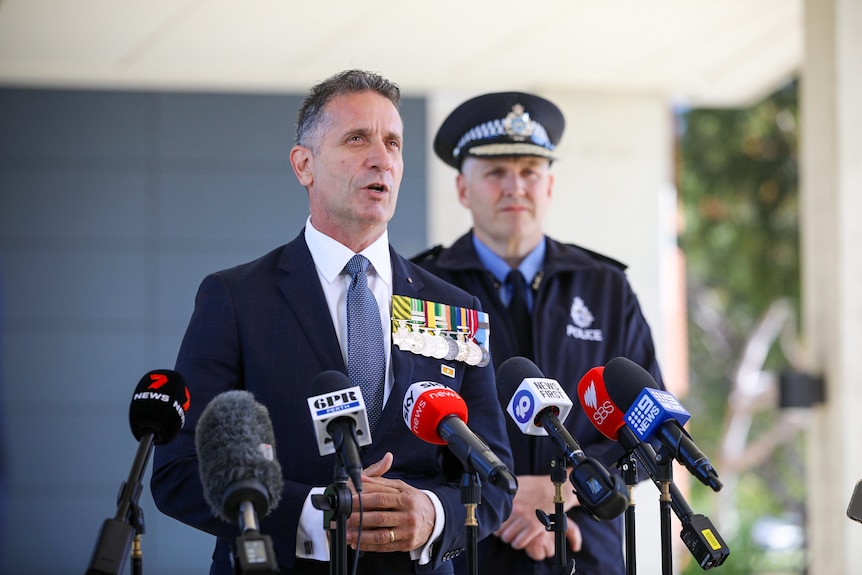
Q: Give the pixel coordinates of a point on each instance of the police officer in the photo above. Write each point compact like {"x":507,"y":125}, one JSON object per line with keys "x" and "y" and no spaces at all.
{"x":565,"y":307}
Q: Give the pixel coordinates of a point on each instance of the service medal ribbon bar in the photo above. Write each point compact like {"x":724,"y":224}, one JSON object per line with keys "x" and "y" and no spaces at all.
{"x":440,"y":330}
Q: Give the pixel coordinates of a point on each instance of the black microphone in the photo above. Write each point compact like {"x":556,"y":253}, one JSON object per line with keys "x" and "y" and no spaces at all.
{"x":159,"y":406}
{"x":340,"y":421}
{"x":156,"y":415}
{"x":654,"y":413}
{"x":239,"y":471}
{"x":536,"y":404}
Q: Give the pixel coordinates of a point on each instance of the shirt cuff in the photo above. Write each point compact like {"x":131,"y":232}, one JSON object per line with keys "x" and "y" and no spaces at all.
{"x":423,"y":554}
{"x":312,"y":541}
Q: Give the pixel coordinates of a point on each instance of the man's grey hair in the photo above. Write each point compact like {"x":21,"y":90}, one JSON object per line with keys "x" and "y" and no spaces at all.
{"x":311,"y":117}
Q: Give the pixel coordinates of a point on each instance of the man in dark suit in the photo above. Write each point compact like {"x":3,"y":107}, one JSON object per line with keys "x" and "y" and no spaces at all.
{"x":271,"y":325}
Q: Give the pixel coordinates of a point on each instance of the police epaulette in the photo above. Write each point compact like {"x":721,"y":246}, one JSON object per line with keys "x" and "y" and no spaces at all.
{"x":427,"y":255}
{"x":603,"y":257}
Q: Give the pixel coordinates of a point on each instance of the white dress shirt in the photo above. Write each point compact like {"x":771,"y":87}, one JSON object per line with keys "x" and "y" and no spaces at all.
{"x":330,"y":257}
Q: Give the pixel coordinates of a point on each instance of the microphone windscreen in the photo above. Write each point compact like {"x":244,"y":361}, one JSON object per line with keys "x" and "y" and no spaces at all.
{"x":511,"y":373}
{"x":426,"y":404}
{"x":597,"y":404}
{"x":329,"y":381}
{"x":235,"y":442}
{"x":624,"y":380}
{"x":159,"y":405}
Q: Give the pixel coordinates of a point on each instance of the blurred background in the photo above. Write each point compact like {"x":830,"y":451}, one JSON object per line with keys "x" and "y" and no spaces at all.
{"x":714,"y":147}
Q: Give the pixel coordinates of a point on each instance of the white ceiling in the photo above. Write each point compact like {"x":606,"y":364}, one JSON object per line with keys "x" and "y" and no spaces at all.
{"x":706,"y":52}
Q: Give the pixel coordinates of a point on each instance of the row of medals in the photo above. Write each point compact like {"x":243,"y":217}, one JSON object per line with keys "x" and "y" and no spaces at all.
{"x":432,"y":343}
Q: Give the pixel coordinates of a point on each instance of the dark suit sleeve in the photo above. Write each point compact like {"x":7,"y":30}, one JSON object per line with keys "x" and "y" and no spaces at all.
{"x":211,"y":360}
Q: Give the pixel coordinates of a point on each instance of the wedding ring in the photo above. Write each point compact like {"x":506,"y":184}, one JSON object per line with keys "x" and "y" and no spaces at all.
{"x":391,"y":536}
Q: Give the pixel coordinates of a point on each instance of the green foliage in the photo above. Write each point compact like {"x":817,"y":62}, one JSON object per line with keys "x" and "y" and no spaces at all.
{"x":738,"y":187}
{"x":738,"y":182}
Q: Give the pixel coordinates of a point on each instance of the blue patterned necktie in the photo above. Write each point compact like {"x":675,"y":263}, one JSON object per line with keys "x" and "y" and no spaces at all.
{"x":366,"y":361}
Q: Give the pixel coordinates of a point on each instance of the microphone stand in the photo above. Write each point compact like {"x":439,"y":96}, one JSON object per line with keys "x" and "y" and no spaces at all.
{"x":664,"y":480}
{"x":336,"y":504}
{"x":698,"y":533}
{"x":471,"y":496}
{"x":558,"y":523}
{"x":137,"y":521}
{"x":117,"y":534}
{"x":630,"y":475}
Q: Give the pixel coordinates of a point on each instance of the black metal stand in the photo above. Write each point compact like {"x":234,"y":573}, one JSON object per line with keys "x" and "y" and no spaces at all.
{"x":336,"y":504}
{"x":137,"y":554}
{"x":698,"y":533}
{"x":558,"y":523}
{"x":471,"y":496}
{"x":664,"y":480}
{"x":115,"y":537}
{"x":630,"y":476}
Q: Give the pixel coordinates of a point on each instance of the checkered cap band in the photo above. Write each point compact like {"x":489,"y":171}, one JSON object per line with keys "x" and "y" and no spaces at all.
{"x":497,"y":129}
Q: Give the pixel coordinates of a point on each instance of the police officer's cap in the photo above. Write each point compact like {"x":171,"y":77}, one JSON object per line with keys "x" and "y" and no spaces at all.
{"x":500,"y":124}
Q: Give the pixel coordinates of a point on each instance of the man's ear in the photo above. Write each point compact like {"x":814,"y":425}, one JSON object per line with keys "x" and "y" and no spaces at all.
{"x":461,"y":186}
{"x":302,"y":161}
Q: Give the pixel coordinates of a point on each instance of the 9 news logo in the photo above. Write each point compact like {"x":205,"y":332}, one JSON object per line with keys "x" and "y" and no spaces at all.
{"x":642,"y":414}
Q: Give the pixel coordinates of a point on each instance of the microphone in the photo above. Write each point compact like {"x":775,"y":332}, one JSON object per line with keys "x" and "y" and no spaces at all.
{"x":159,"y":406}
{"x":438,"y":415}
{"x":240,"y":474}
{"x":537,"y":406}
{"x":654,"y":413}
{"x":340,"y":421}
{"x":156,"y":415}
{"x":698,"y":533}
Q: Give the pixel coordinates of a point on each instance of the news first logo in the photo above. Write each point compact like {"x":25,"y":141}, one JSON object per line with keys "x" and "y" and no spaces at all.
{"x":523,"y":406}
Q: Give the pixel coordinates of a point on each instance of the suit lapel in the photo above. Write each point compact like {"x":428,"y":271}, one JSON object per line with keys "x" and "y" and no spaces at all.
{"x":300,"y":285}
{"x":301,"y":288}
{"x":402,"y":361}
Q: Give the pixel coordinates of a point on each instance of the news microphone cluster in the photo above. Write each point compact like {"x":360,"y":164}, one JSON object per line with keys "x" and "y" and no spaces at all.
{"x":699,"y":535}
{"x":538,"y":405}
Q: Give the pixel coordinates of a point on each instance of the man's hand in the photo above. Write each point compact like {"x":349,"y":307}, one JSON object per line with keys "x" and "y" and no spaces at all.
{"x":523,"y":530}
{"x":543,"y":546}
{"x":573,"y":535}
{"x":396,"y":516}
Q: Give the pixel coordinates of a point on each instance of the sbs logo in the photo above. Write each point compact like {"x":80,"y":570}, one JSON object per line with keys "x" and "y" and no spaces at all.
{"x":603,"y":411}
